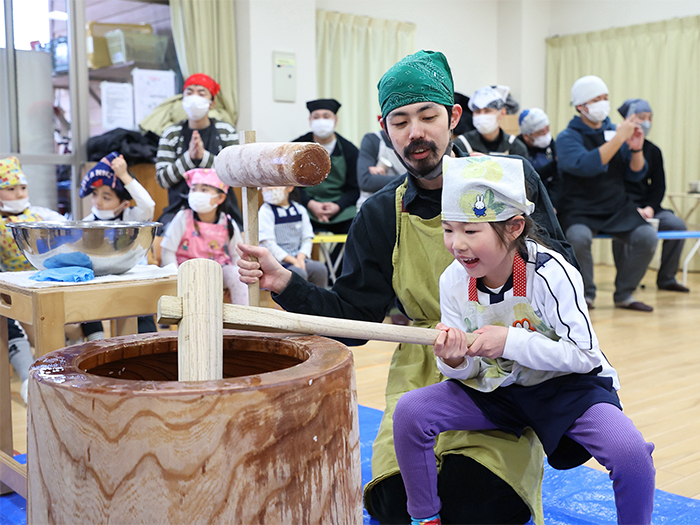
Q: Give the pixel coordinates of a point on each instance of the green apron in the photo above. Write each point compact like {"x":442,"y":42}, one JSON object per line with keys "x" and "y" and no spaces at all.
{"x":331,"y":189}
{"x":419,"y":259}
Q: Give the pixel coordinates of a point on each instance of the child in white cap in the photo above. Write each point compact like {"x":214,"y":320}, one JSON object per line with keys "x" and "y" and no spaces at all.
{"x":535,"y":361}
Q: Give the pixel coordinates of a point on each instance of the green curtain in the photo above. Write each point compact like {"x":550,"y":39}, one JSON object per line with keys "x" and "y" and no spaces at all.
{"x":352,"y":53}
{"x":659,"y":62}
{"x":205,"y":42}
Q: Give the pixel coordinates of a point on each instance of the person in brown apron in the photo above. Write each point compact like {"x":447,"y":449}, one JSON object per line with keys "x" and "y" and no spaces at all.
{"x":395,"y":252}
{"x":331,"y":204}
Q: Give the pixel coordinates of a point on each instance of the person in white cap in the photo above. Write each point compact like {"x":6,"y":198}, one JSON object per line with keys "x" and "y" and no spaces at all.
{"x":595,"y":159}
{"x":489,"y":105}
{"x":541,"y":151}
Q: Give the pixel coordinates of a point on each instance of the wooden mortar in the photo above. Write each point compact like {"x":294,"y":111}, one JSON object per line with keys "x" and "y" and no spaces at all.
{"x":114,"y":438}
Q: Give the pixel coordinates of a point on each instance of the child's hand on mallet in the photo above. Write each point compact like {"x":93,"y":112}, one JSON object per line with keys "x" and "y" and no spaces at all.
{"x":450,"y":345}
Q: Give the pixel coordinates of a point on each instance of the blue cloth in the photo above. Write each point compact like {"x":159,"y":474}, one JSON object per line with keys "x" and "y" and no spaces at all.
{"x":68,"y":274}
{"x":63,"y":260}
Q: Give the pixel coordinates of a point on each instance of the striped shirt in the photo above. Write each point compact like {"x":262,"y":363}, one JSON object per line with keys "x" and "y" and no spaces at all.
{"x":173,"y":158}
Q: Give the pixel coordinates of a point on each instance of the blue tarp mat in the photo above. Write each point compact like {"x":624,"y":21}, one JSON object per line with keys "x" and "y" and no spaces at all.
{"x":580,"y":496}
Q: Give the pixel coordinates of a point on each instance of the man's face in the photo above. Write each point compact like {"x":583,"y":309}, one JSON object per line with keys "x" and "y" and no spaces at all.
{"x":420,"y":133}
{"x":643,"y":116}
{"x":500,"y":113}
{"x":194,"y":89}
{"x":323,"y":114}
{"x":532,"y":136}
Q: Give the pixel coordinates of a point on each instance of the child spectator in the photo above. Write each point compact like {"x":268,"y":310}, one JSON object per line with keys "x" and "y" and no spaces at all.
{"x":205,"y":231}
{"x":112,"y":189}
{"x":535,"y":361}
{"x":15,"y":207}
{"x":285,"y":229}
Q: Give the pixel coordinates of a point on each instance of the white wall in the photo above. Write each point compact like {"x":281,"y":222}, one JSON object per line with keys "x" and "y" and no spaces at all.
{"x":485,"y":41}
{"x":262,"y":27}
{"x":581,"y":16}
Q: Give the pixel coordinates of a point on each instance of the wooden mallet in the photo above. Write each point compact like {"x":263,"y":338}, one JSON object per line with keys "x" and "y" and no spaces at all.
{"x":263,"y":164}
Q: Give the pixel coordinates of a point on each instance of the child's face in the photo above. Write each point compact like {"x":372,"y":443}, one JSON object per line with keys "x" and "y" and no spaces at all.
{"x":217,"y":196}
{"x":14,"y":193}
{"x":104,"y":198}
{"x":479,"y":250}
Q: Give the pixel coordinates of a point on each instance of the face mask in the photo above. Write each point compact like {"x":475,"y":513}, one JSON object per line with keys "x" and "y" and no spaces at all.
{"x":103,"y":215}
{"x":196,"y":107}
{"x":542,"y":141}
{"x":646,"y":126}
{"x":201,"y":202}
{"x":16,"y":206}
{"x":274,"y":196}
{"x":485,"y":124}
{"x":597,"y":111}
{"x":323,"y":127}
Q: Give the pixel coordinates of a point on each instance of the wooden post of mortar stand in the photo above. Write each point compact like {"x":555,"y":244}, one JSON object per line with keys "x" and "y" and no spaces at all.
{"x":250,"y":222}
{"x":200,"y":336}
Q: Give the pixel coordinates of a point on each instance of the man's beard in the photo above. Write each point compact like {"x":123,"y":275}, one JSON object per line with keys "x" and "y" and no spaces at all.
{"x":427,"y":168}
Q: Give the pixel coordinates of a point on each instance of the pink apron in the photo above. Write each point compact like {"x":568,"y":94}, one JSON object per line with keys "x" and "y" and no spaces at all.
{"x":203,"y":240}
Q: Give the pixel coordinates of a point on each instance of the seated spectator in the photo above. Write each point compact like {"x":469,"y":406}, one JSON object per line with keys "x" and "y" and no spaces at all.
{"x":112,"y":188}
{"x":333,"y":203}
{"x":489,"y":105}
{"x":193,"y":143}
{"x":541,"y":152}
{"x":648,"y":193}
{"x":377,"y":165}
{"x":204,"y":230}
{"x":595,"y":159}
{"x":15,"y":207}
{"x":285,"y":229}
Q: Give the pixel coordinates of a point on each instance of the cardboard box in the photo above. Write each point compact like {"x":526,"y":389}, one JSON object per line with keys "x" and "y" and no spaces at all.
{"x":97,"y":48}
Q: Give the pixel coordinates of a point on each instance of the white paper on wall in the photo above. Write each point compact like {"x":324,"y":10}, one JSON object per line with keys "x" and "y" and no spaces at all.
{"x":117,"y":105}
{"x":151,"y":87}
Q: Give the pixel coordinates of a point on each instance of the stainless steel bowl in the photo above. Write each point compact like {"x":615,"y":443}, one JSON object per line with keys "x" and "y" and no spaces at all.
{"x":112,"y":247}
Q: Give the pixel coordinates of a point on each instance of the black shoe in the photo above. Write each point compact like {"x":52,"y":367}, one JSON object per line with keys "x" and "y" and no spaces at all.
{"x":675,"y":287}
{"x":635,"y":305}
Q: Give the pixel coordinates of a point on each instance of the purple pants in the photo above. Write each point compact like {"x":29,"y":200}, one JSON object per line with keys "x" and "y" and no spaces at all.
{"x":604,"y":430}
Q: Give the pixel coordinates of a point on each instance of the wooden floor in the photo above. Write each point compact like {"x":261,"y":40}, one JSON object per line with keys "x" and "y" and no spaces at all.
{"x":657,"y":356}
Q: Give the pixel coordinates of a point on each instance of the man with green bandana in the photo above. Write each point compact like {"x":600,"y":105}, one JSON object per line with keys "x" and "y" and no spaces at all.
{"x":395,"y":253}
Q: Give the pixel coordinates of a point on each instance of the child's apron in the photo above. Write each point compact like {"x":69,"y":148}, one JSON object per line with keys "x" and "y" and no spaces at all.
{"x":203,"y":240}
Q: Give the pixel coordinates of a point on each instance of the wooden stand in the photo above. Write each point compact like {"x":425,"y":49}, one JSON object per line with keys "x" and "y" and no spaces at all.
{"x":275,"y":441}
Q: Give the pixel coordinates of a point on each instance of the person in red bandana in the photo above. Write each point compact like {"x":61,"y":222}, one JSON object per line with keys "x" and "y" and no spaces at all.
{"x":193,"y":143}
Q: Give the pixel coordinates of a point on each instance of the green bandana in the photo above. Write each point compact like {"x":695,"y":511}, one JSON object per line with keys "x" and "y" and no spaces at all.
{"x":422,"y":77}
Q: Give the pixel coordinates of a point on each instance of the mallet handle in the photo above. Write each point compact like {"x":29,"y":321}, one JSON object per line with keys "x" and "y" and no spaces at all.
{"x":269,"y":319}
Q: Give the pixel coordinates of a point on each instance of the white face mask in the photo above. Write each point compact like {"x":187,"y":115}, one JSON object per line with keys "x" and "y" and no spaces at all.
{"x":103,"y":215}
{"x":646,"y":126}
{"x":323,"y":127}
{"x":16,"y":206}
{"x":542,"y":141}
{"x":274,"y":196}
{"x":597,"y":111}
{"x":196,"y":107}
{"x":485,"y":124}
{"x":201,"y":202}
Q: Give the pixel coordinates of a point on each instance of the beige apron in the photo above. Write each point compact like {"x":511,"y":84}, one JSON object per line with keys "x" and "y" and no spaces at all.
{"x":419,"y":259}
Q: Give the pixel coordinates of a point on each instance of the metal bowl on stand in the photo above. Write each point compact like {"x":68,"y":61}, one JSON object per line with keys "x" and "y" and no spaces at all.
{"x":111,"y":247}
